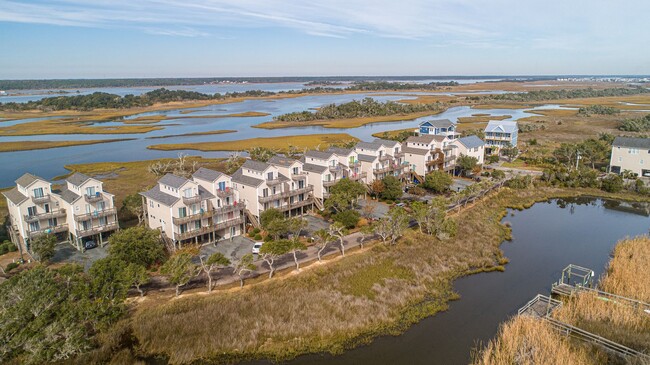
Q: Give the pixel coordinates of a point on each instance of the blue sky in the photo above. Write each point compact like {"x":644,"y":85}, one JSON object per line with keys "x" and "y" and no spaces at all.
{"x":194,"y":38}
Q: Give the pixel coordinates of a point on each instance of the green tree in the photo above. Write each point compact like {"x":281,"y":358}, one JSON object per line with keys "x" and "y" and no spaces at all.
{"x":510,"y":152}
{"x":399,"y":222}
{"x":349,"y":218}
{"x":339,"y":231}
{"x":210,"y":264}
{"x":268,"y":218}
{"x":179,"y":270}
{"x":138,"y":275}
{"x":110,"y":280}
{"x":344,"y":194}
{"x":392,"y":188}
{"x":43,"y":247}
{"x":498,"y":174}
{"x":138,"y":245}
{"x":420,"y":213}
{"x":438,"y":181}
{"x":321,"y":239}
{"x":272,"y":250}
{"x":244,"y":267}
{"x":294,"y":247}
{"x":261,"y":154}
{"x":132,"y":204}
{"x":612,"y":183}
{"x":466,"y":164}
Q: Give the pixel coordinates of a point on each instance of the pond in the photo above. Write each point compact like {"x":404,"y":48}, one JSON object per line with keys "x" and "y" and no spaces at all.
{"x":546,"y":238}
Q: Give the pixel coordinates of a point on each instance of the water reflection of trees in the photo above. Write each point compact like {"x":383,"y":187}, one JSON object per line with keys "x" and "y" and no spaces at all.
{"x":639,"y":208}
{"x":571,"y":203}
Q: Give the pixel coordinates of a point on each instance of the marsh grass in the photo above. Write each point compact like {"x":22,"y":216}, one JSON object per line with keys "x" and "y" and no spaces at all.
{"x":347,"y":122}
{"x":42,"y":145}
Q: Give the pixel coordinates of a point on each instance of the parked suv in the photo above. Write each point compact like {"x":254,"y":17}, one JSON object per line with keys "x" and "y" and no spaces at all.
{"x":256,"y":247}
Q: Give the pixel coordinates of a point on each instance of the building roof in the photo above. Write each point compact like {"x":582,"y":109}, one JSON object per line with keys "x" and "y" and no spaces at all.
{"x":504,"y":126}
{"x":77,"y":179}
{"x":314,"y":168}
{"x":282,"y":160}
{"x":14,"y":196}
{"x":367,"y":158}
{"x":425,"y":138}
{"x":643,"y":143}
{"x":369,"y":145}
{"x":173,"y":181}
{"x":27,"y":179}
{"x":320,"y":155}
{"x":415,"y":151}
{"x":385,"y":142}
{"x":68,"y":195}
{"x":340,"y":151}
{"x":159,"y":196}
{"x":207,"y":174}
{"x":204,"y":194}
{"x":437,"y":123}
{"x":471,"y":141}
{"x":255,"y":165}
{"x":240,"y":178}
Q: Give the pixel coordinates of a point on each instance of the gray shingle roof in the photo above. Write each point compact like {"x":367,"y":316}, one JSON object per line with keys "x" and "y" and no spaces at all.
{"x":367,"y":158}
{"x":77,"y":178}
{"x":240,"y":178}
{"x":385,"y":142}
{"x":368,"y":145}
{"x":68,"y":195}
{"x":204,"y":194}
{"x":14,"y":196}
{"x":207,"y":174}
{"x":159,"y":196}
{"x":643,"y":143}
{"x":503,"y":126}
{"x":173,"y":181}
{"x":415,"y":151}
{"x":426,"y":138}
{"x":340,"y":151}
{"x":27,"y":179}
{"x":282,"y":161}
{"x":255,"y":165}
{"x":439,"y":123}
{"x":471,"y":141}
{"x":314,"y":168}
{"x":320,"y":155}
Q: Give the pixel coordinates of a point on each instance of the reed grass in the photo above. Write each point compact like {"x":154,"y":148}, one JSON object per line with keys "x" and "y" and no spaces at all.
{"x":43,"y":145}
{"x":281,"y":144}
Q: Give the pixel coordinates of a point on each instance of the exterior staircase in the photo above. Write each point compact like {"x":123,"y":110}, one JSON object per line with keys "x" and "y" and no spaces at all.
{"x":253,"y":219}
{"x":319,"y":204}
{"x":417,"y":178}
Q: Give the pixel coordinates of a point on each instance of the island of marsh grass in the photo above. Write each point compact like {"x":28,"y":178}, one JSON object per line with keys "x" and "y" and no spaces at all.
{"x":281,"y":144}
{"x":157,"y":118}
{"x":530,"y":340}
{"x":42,"y":145}
{"x":335,"y":306}
{"x":346,"y":122}
{"x":206,"y":133}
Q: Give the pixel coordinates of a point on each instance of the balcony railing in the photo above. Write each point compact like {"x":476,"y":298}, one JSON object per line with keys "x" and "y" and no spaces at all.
{"x":41,"y":199}
{"x":286,"y":194}
{"x":191,"y":217}
{"x":336,"y":168}
{"x":271,"y":182}
{"x":47,"y":230}
{"x":383,"y":170}
{"x":225,"y":193}
{"x":37,"y":217}
{"x":97,"y":229}
{"x":196,"y":232}
{"x":450,"y":158}
{"x":296,"y":204}
{"x":385,"y":157}
{"x":230,"y":222}
{"x":329,"y":183}
{"x":95,"y":214}
{"x":359,"y":176}
{"x":93,"y":198}
{"x":299,"y":176}
{"x":240,"y":205}
{"x":191,"y":199}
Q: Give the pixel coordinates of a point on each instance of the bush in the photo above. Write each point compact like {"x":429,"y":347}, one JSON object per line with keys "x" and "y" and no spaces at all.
{"x":256,"y":230}
{"x":519,"y":182}
{"x":417,"y":191}
{"x":268,"y":238}
{"x":392,"y":188}
{"x":349,"y":218}
{"x":11,"y":266}
{"x":438,"y":181}
{"x":258,"y":237}
{"x":3,"y":249}
{"x":612,"y":183}
{"x":498,"y":174}
{"x":492,"y":159}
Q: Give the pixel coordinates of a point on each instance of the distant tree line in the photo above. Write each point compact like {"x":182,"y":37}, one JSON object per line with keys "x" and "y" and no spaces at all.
{"x":598,"y":109}
{"x":367,"y":107}
{"x":641,"y":124}
{"x":540,"y":95}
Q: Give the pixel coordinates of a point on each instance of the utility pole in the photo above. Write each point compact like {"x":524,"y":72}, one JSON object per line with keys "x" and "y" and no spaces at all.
{"x":577,"y":158}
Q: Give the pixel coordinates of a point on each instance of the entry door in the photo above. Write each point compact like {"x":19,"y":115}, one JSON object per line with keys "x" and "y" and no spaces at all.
{"x":47,"y":208}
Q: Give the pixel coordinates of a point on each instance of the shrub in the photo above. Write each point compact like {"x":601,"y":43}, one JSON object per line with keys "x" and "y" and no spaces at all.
{"x":257,"y":237}
{"x":12,"y":247}
{"x":11,"y":266}
{"x":418,"y":191}
{"x":519,"y":182}
{"x":612,"y":183}
{"x":392,"y":188}
{"x":256,"y":230}
{"x":492,"y":159}
{"x":349,"y":218}
{"x":438,"y":181}
{"x":3,"y":249}
{"x":498,"y":174}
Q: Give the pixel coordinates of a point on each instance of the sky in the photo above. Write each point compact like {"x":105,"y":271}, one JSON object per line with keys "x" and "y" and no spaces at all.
{"x":230,"y":38}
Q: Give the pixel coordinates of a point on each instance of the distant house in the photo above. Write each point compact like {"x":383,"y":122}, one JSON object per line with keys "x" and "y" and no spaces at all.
{"x":471,"y":146}
{"x":438,"y":127}
{"x":500,"y":134}
{"x":631,"y":154}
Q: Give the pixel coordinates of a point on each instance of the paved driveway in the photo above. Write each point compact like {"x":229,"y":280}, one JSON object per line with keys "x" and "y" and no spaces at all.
{"x":314,"y":224}
{"x":66,"y":253}
{"x":233,"y":249}
{"x":460,"y":184}
{"x":380,"y":208}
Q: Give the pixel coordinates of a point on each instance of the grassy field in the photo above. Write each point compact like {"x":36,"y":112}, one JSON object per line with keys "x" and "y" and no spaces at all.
{"x":72,"y":126}
{"x":42,"y":145}
{"x":275,"y":143}
{"x":346,"y":123}
{"x":335,"y":306}
{"x":528,"y":340}
{"x":392,"y":134}
{"x":206,"y":133}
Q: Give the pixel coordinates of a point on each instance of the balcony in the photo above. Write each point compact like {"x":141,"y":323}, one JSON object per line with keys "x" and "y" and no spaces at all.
{"x":93,"y":198}
{"x":294,"y":205}
{"x":95,"y":214}
{"x":354,"y":164}
{"x":399,"y":154}
{"x":359,"y":176}
{"x":329,"y":183}
{"x":286,"y":194}
{"x":229,"y":223}
{"x":225,"y":193}
{"x":191,"y":217}
{"x":97,"y":229}
{"x":498,"y":138}
{"x":240,"y":205}
{"x":336,"y":168}
{"x":196,"y":232}
{"x":48,"y":230}
{"x":382,"y":170}
{"x":41,"y":199}
{"x":191,"y":200}
{"x":271,"y":182}
{"x":298,"y":176}
{"x":385,"y":157}
{"x":59,"y":213}
{"x":450,"y":158}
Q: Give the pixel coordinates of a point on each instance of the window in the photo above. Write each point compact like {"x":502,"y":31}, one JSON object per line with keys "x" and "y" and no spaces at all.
{"x":31,"y":211}
{"x":103,"y":221}
{"x":151,"y":203}
{"x":295,"y":171}
{"x":187,"y":193}
{"x":222,"y":186}
{"x":38,"y":193}
{"x":182,"y":212}
{"x":641,"y":162}
{"x":269,"y":176}
{"x":90,"y":191}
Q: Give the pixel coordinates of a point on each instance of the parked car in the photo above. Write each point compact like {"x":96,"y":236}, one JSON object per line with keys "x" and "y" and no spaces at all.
{"x":256,"y":247}
{"x":90,"y":245}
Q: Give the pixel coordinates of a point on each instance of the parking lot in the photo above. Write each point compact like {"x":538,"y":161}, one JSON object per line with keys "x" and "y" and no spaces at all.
{"x":460,"y":184}
{"x":66,"y":253}
{"x":233,"y":249}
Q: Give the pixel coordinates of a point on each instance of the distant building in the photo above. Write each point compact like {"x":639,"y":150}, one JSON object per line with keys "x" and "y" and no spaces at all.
{"x":438,"y":127}
{"x":471,"y":146}
{"x":631,"y":154}
{"x":500,"y":134}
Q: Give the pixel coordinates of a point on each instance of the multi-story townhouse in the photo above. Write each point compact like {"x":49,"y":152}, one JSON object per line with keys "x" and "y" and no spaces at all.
{"x":470,"y":146}
{"x":80,"y":211}
{"x":500,"y":134}
{"x":226,"y":209}
{"x":261,"y":186}
{"x":381,"y":158}
{"x":91,"y":212}
{"x":438,"y":127}
{"x":632,"y":154}
{"x":34,"y":209}
{"x":182,"y":209}
{"x":325,"y":170}
{"x":423,"y":163}
{"x":350,"y":158}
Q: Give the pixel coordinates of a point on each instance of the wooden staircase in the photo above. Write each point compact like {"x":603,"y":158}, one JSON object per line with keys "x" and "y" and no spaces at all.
{"x":253,"y":219}
{"x":319,"y":204}
{"x":417,"y":177}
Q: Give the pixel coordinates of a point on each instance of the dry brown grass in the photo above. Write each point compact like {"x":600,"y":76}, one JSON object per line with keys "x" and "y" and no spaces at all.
{"x":42,"y":145}
{"x":529,"y":341}
{"x":629,"y":273}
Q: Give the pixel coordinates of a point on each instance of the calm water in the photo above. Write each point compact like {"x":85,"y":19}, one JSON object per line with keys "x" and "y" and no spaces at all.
{"x":547,"y":237}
